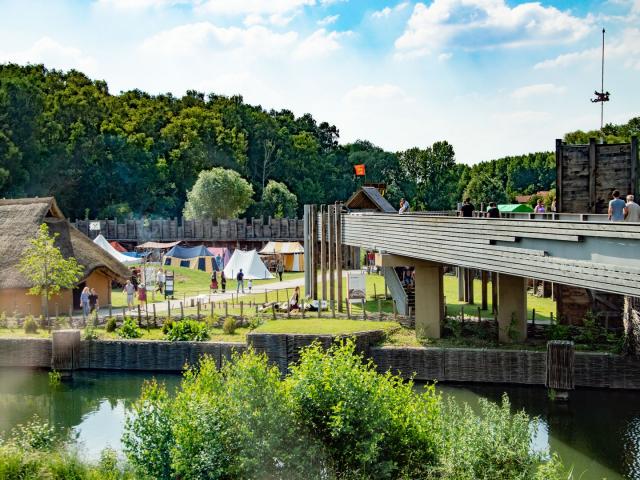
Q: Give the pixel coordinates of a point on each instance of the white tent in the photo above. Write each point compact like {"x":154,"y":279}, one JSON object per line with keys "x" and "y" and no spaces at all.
{"x":122,"y":258}
{"x":250,"y":263}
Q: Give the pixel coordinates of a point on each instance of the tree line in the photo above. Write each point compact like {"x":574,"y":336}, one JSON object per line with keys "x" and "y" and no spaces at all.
{"x":106,"y":155}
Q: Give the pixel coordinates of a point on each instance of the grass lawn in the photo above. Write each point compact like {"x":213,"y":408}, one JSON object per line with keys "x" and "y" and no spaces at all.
{"x":324,"y":326}
{"x":190,"y":282}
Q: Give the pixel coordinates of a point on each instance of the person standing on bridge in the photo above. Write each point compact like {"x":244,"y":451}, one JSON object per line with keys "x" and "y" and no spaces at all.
{"x":616,"y":207}
{"x":493,"y":211}
{"x":467,"y":208}
{"x":631,"y":210}
{"x":539,"y":207}
{"x":404,"y":206}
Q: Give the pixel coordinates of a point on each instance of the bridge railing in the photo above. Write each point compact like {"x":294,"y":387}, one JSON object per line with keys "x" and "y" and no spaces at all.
{"x":556,"y":217}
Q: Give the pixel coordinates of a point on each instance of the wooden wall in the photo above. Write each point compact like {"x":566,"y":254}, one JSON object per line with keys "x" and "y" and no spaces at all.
{"x":586,"y":177}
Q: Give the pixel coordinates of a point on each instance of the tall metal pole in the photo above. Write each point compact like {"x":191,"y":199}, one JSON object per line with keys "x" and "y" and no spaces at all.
{"x":602,"y":85}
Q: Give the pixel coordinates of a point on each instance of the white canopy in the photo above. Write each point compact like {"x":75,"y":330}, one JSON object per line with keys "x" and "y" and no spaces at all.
{"x":250,"y":263}
{"x":284,"y":248}
{"x":122,"y":258}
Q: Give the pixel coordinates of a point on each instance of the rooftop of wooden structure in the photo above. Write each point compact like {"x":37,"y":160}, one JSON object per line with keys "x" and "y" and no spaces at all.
{"x":369,"y":199}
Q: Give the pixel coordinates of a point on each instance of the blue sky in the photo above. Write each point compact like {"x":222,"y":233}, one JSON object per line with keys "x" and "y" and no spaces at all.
{"x":493,"y":77}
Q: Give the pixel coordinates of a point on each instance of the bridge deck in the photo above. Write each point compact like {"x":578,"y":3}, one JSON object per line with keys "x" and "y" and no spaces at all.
{"x":598,"y":255}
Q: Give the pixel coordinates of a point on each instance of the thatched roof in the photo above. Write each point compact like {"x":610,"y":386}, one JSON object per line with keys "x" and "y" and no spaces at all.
{"x":19,"y":222}
{"x":369,"y":199}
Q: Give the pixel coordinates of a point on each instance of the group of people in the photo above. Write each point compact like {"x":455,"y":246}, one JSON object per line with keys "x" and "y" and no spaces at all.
{"x":88,"y":301}
{"x":223,"y":282}
{"x":621,"y":211}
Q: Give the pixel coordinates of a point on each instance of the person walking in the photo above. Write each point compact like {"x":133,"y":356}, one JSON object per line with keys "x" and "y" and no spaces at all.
{"x":616,"y":207}
{"x":631,"y":210}
{"x":142,"y":294}
{"x":84,"y":303}
{"x":539,"y":207}
{"x":294,"y":301}
{"x":240,"y":280}
{"x":280,"y":269}
{"x":467,"y":208}
{"x":493,"y":211}
{"x":160,"y":279}
{"x":223,"y":281}
{"x":129,"y":290}
{"x":214,"y":282}
{"x":93,"y":300}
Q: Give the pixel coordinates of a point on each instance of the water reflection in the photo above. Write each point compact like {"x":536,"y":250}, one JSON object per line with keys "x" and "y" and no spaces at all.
{"x":597,"y":431}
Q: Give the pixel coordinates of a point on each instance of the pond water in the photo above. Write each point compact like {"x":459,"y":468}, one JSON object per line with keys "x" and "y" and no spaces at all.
{"x":597,"y":431}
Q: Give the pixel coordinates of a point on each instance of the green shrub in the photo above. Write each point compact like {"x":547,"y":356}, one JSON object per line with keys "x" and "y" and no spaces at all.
{"x":371,"y":425}
{"x":129,"y":329}
{"x":255,"y":322}
{"x":55,"y":378}
{"x":90,"y":333}
{"x":111,"y":325}
{"x":34,"y":435}
{"x":4,"y":323}
{"x":167,"y":326}
{"x":229,"y":326}
{"x":30,"y":325}
{"x":188,"y":330}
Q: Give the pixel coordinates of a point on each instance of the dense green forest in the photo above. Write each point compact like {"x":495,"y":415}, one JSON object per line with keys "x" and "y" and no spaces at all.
{"x":100,"y":154}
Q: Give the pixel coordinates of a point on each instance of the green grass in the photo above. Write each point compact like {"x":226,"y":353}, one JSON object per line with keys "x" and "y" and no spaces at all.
{"x":190,"y":282}
{"x":323,"y":326}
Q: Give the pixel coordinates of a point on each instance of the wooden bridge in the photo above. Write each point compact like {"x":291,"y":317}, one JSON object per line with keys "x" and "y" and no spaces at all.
{"x":172,"y":230}
{"x":575,"y":250}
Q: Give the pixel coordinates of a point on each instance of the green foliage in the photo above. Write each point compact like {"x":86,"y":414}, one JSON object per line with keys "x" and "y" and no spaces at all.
{"x":4,"y":322}
{"x":559,"y":331}
{"x":43,"y":264}
{"x":229,"y":326}
{"x":110,"y":325}
{"x":484,"y":189}
{"x":610,"y":133}
{"x":187,"y":330}
{"x":278,"y":201}
{"x":90,"y":333}
{"x":372,"y":425}
{"x":492,"y":446}
{"x":55,"y":378}
{"x":167,"y":326}
{"x":30,"y":325}
{"x":218,"y":193}
{"x":34,"y":435}
{"x":129,"y":329}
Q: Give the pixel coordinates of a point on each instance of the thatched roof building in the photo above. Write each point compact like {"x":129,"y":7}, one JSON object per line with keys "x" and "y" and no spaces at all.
{"x":19,"y":223}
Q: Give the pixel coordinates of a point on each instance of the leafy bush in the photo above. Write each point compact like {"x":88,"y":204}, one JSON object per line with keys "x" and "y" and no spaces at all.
{"x":90,"y":334}
{"x":188,"y":330}
{"x":111,"y":325}
{"x":372,"y":425}
{"x":559,"y":332}
{"x":229,"y":326}
{"x":4,"y":323}
{"x":30,"y":325}
{"x":167,"y":326}
{"x":55,"y":378}
{"x":129,"y":329}
{"x":34,"y":435}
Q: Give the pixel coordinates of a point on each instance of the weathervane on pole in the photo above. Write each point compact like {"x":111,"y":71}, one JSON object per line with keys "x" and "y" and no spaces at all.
{"x":601,"y":96}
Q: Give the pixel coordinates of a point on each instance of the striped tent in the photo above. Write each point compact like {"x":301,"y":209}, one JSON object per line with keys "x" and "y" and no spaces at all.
{"x":291,"y":254}
{"x":196,"y":258}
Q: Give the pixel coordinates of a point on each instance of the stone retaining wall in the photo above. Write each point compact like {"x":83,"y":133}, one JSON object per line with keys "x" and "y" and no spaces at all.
{"x":25,"y":352}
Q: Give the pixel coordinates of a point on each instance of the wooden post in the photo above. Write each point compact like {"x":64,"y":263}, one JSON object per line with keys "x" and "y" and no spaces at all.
{"x":395,"y":311}
{"x":302,"y":307}
{"x":462,"y":314}
{"x":479,"y":315}
{"x":333,"y":308}
{"x":181,"y":311}
{"x":338,"y":220}
{"x":256,"y":309}
{"x":198,"y":310}
{"x":169,"y":310}
{"x":320,"y":307}
{"x":592,"y":175}
{"x":379,"y":309}
{"x":211,"y":308}
{"x":331,"y":251}
{"x":266,"y":296}
{"x":288,"y":310}
{"x":314,"y":252}
{"x":348,"y":307}
{"x":273,"y":310}
{"x":241,"y":309}
{"x":494,"y":292}
{"x":364,"y":310}
{"x":323,"y":250}
{"x":110,"y":311}
{"x":461,"y":284}
{"x":375,"y":292}
{"x":485,"y":280}
{"x":123,"y":313}
{"x":155,"y":318}
{"x":470,"y":276}
{"x":533,"y":316}
{"x":226,"y":309}
{"x":551,"y":318}
{"x":146,"y":312}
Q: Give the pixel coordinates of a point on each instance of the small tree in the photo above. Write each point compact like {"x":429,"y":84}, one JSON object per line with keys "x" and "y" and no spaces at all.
{"x":46,"y":268}
{"x":218,"y":193}
{"x":278,"y":201}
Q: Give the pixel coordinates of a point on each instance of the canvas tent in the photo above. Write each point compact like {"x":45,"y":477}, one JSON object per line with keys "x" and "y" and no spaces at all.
{"x":196,"y":258}
{"x":291,"y":254}
{"x":117,"y":246}
{"x":250,"y":263}
{"x":224,"y":253}
{"x":121,"y":257}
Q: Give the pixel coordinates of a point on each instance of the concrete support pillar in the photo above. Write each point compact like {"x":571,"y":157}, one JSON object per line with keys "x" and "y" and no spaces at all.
{"x":429,"y":308}
{"x":512,"y":308}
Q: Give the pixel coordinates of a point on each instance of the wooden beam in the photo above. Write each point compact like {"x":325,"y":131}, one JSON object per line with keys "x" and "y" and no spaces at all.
{"x":485,"y":279}
{"x":338,"y":229}
{"x":559,"y":192}
{"x":592,"y":175}
{"x":331,"y":226}
{"x":323,"y":249}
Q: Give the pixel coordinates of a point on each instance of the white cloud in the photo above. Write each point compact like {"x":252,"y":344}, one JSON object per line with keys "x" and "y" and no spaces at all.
{"x":625,"y":48}
{"x":53,"y":55}
{"x":204,"y":37}
{"x":323,"y":22}
{"x":375,"y":93}
{"x":388,"y":11}
{"x":248,"y":7}
{"x":140,"y":4}
{"x":475,"y":24}
{"x":443,"y":57}
{"x":320,"y":43}
{"x":521,"y":117}
{"x":537,"y":90}
{"x":277,"y":19}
